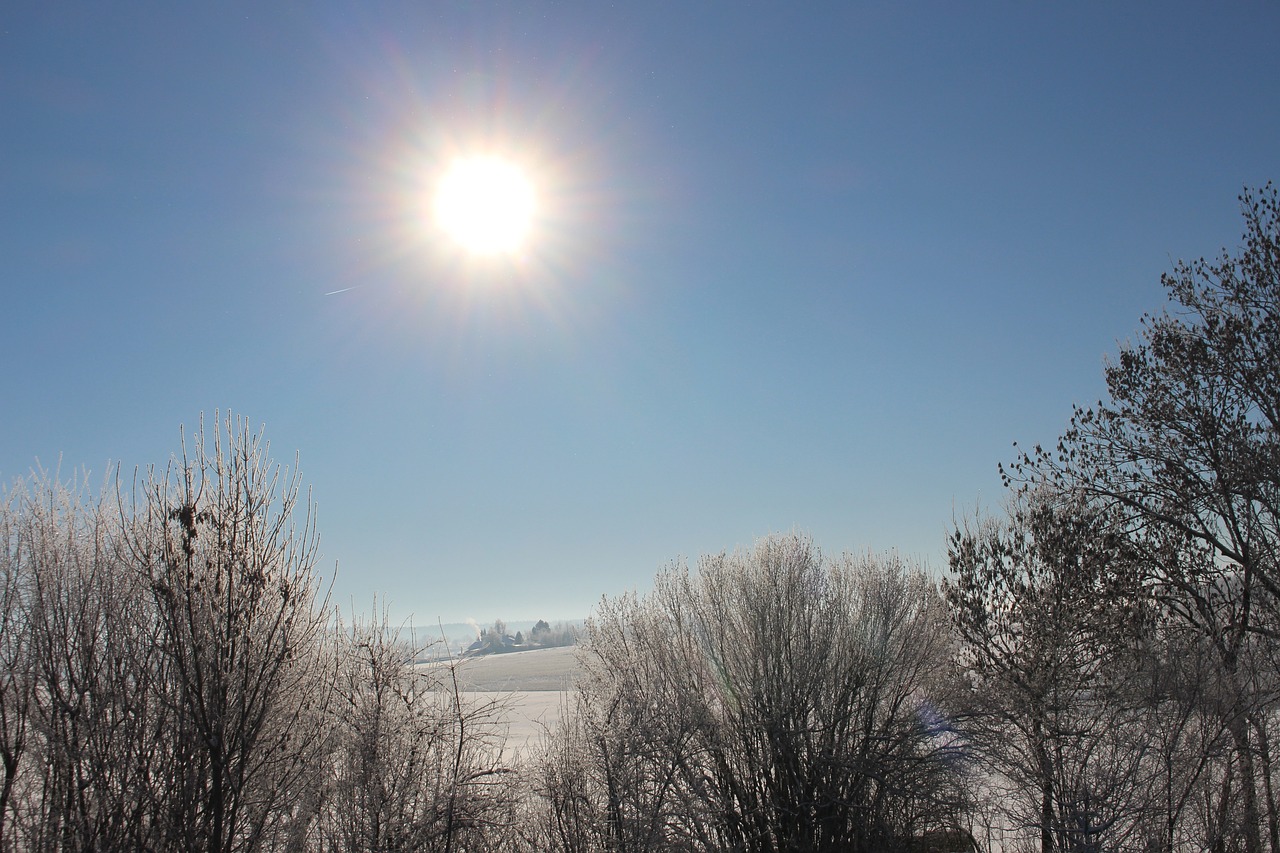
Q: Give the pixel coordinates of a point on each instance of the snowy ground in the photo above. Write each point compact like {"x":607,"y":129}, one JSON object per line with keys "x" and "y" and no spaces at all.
{"x":535,"y":686}
{"x":537,"y":670}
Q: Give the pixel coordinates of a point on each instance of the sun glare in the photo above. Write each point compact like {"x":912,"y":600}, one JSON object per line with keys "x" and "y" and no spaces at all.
{"x":485,"y":204}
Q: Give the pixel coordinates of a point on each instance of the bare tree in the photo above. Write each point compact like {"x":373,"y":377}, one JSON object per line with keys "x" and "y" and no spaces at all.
{"x":775,"y":701}
{"x":172,"y":678}
{"x":1060,"y":698}
{"x":227,"y":547}
{"x":417,"y":765}
{"x":86,"y":787}
{"x":15,"y":662}
{"x":1186,"y":455}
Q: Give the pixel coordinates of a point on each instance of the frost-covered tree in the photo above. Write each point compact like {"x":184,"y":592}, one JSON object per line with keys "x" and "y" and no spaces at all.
{"x":225,"y":542}
{"x":418,"y":766}
{"x":774,"y":700}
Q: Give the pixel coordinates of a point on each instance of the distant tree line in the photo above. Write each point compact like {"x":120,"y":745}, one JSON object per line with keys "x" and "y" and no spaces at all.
{"x":554,"y":636}
{"x":1097,"y":672}
{"x":496,"y":640}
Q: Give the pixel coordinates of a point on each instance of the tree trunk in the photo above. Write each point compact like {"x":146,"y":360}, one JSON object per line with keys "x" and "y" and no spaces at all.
{"x":1217,"y":841}
{"x":1264,"y":754}
{"x":1046,"y":800}
{"x":1239,"y":729}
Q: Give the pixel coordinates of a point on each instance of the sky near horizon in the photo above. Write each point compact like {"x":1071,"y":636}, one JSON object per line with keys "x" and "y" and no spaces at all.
{"x":792,"y":267}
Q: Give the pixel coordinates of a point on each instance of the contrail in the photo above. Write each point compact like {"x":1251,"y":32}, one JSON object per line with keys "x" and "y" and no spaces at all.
{"x":343,"y":290}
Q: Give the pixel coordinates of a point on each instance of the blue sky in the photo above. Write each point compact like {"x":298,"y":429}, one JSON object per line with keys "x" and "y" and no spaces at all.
{"x":799,"y":267}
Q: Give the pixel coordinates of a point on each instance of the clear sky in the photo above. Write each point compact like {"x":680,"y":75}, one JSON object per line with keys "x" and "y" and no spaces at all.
{"x":792,"y":266}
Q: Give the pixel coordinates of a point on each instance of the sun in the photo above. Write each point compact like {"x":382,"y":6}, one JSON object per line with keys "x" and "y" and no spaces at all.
{"x":485,"y":204}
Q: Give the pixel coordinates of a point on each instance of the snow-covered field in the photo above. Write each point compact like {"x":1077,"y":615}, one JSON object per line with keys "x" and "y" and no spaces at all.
{"x":537,"y":670}
{"x":535,"y":686}
{"x":529,"y":715}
